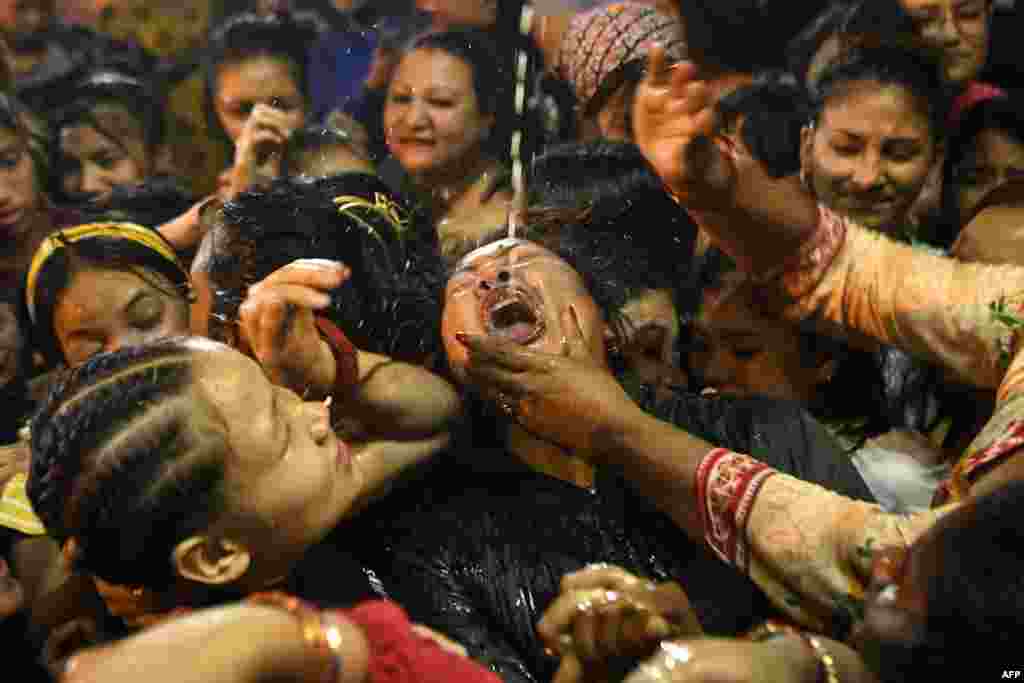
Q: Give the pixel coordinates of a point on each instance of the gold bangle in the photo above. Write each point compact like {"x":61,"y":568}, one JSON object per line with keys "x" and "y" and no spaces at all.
{"x":320,"y":629}
{"x":829,"y":670}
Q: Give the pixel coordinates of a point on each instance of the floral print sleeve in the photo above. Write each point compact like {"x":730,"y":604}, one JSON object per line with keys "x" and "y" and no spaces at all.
{"x":807,"y":548}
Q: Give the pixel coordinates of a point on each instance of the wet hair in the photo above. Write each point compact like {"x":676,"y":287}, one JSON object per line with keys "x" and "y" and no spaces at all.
{"x":771,"y":112}
{"x":246,"y":36}
{"x":385,"y":306}
{"x":855,"y":24}
{"x":314,"y":138}
{"x":491,"y":68}
{"x":124,"y":464}
{"x":1003,"y":114}
{"x":33,"y":131}
{"x":914,"y":71}
{"x":602,"y":209}
{"x":105,"y":252}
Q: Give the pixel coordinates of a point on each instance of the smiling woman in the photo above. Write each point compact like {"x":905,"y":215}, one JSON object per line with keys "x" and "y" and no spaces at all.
{"x":876,"y":132}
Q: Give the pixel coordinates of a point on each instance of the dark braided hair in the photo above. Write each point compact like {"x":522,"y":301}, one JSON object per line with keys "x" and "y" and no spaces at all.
{"x":126,"y":462}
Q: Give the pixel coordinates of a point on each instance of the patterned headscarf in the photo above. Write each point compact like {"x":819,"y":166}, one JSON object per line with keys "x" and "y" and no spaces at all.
{"x":601,"y":41}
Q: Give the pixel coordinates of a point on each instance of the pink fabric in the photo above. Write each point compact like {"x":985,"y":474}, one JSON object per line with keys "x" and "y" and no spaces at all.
{"x":398,"y":654}
{"x":974,"y":93}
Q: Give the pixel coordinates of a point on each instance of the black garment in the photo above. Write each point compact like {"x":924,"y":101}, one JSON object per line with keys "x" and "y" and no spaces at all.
{"x":478,"y":547}
{"x":73,"y":51}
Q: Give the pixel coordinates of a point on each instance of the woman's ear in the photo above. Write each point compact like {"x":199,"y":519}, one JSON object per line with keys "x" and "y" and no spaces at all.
{"x":211,"y":561}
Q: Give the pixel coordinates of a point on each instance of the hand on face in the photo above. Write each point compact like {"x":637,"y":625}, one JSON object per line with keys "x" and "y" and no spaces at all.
{"x":567,"y":399}
{"x":259,"y":147}
{"x":605,"y":612}
{"x":673,"y":119}
{"x":277,"y":322}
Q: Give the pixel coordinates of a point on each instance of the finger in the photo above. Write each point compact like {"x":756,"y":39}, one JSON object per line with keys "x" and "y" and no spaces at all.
{"x":558,"y":617}
{"x":574,"y":342}
{"x":318,"y":273}
{"x":570,"y":670}
{"x":585,"y":629}
{"x":600,"y":576}
{"x":488,"y":350}
{"x":296,"y":295}
{"x":268,"y":331}
{"x":657,"y":67}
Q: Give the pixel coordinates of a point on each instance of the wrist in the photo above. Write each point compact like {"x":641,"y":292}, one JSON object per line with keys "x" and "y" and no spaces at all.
{"x":805,"y":662}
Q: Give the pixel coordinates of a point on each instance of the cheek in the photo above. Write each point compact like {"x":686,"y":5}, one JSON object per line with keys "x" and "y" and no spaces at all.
{"x":459,"y":316}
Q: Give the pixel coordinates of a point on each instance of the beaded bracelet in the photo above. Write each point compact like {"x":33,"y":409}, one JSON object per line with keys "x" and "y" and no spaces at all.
{"x":321,"y":631}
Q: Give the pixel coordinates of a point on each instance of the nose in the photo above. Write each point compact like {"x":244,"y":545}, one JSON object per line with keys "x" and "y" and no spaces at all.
{"x":94,"y":182}
{"x":868,"y":173}
{"x":495,"y":278}
{"x":947,"y":32}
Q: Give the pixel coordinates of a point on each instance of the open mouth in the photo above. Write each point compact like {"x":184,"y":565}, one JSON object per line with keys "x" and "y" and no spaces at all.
{"x":511,"y":314}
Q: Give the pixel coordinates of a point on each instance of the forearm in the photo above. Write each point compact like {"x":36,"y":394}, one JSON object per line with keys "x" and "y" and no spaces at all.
{"x":185,"y":231}
{"x":764,"y":235}
{"x":660,"y":461}
{"x":849,"y":666}
{"x":397,"y":400}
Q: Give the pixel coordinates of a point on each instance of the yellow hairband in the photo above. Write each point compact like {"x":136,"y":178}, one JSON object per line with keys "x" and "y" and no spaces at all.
{"x":57,"y":240}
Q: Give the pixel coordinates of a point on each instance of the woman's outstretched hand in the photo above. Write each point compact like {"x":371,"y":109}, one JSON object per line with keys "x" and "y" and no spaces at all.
{"x":569,"y":399}
{"x":673,"y":123}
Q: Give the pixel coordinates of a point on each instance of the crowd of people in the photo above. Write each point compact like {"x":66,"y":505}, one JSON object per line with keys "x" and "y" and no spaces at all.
{"x":645,"y":341}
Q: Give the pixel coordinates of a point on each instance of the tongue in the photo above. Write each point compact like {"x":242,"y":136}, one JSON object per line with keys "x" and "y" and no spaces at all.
{"x":516,"y":332}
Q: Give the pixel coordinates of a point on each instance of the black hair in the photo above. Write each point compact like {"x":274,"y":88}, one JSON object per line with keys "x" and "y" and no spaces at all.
{"x":102,"y":252}
{"x":313,"y":138}
{"x":124,"y":464}
{"x":152,"y":203}
{"x":601,"y":207}
{"x":744,"y":35}
{"x":142,"y":98}
{"x":247,"y":35}
{"x":1004,"y":114}
{"x":865,"y":22}
{"x":386,"y":306}
{"x":915,"y":71}
{"x":773,"y":110}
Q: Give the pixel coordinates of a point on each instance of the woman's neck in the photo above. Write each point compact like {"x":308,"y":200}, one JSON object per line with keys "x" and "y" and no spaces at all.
{"x":547,"y":458}
{"x":452,"y":188}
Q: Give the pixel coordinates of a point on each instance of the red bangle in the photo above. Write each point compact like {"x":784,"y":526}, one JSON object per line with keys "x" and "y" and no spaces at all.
{"x":346,"y":356}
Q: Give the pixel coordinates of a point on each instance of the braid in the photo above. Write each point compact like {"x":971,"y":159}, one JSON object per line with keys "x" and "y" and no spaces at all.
{"x":124,"y":463}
